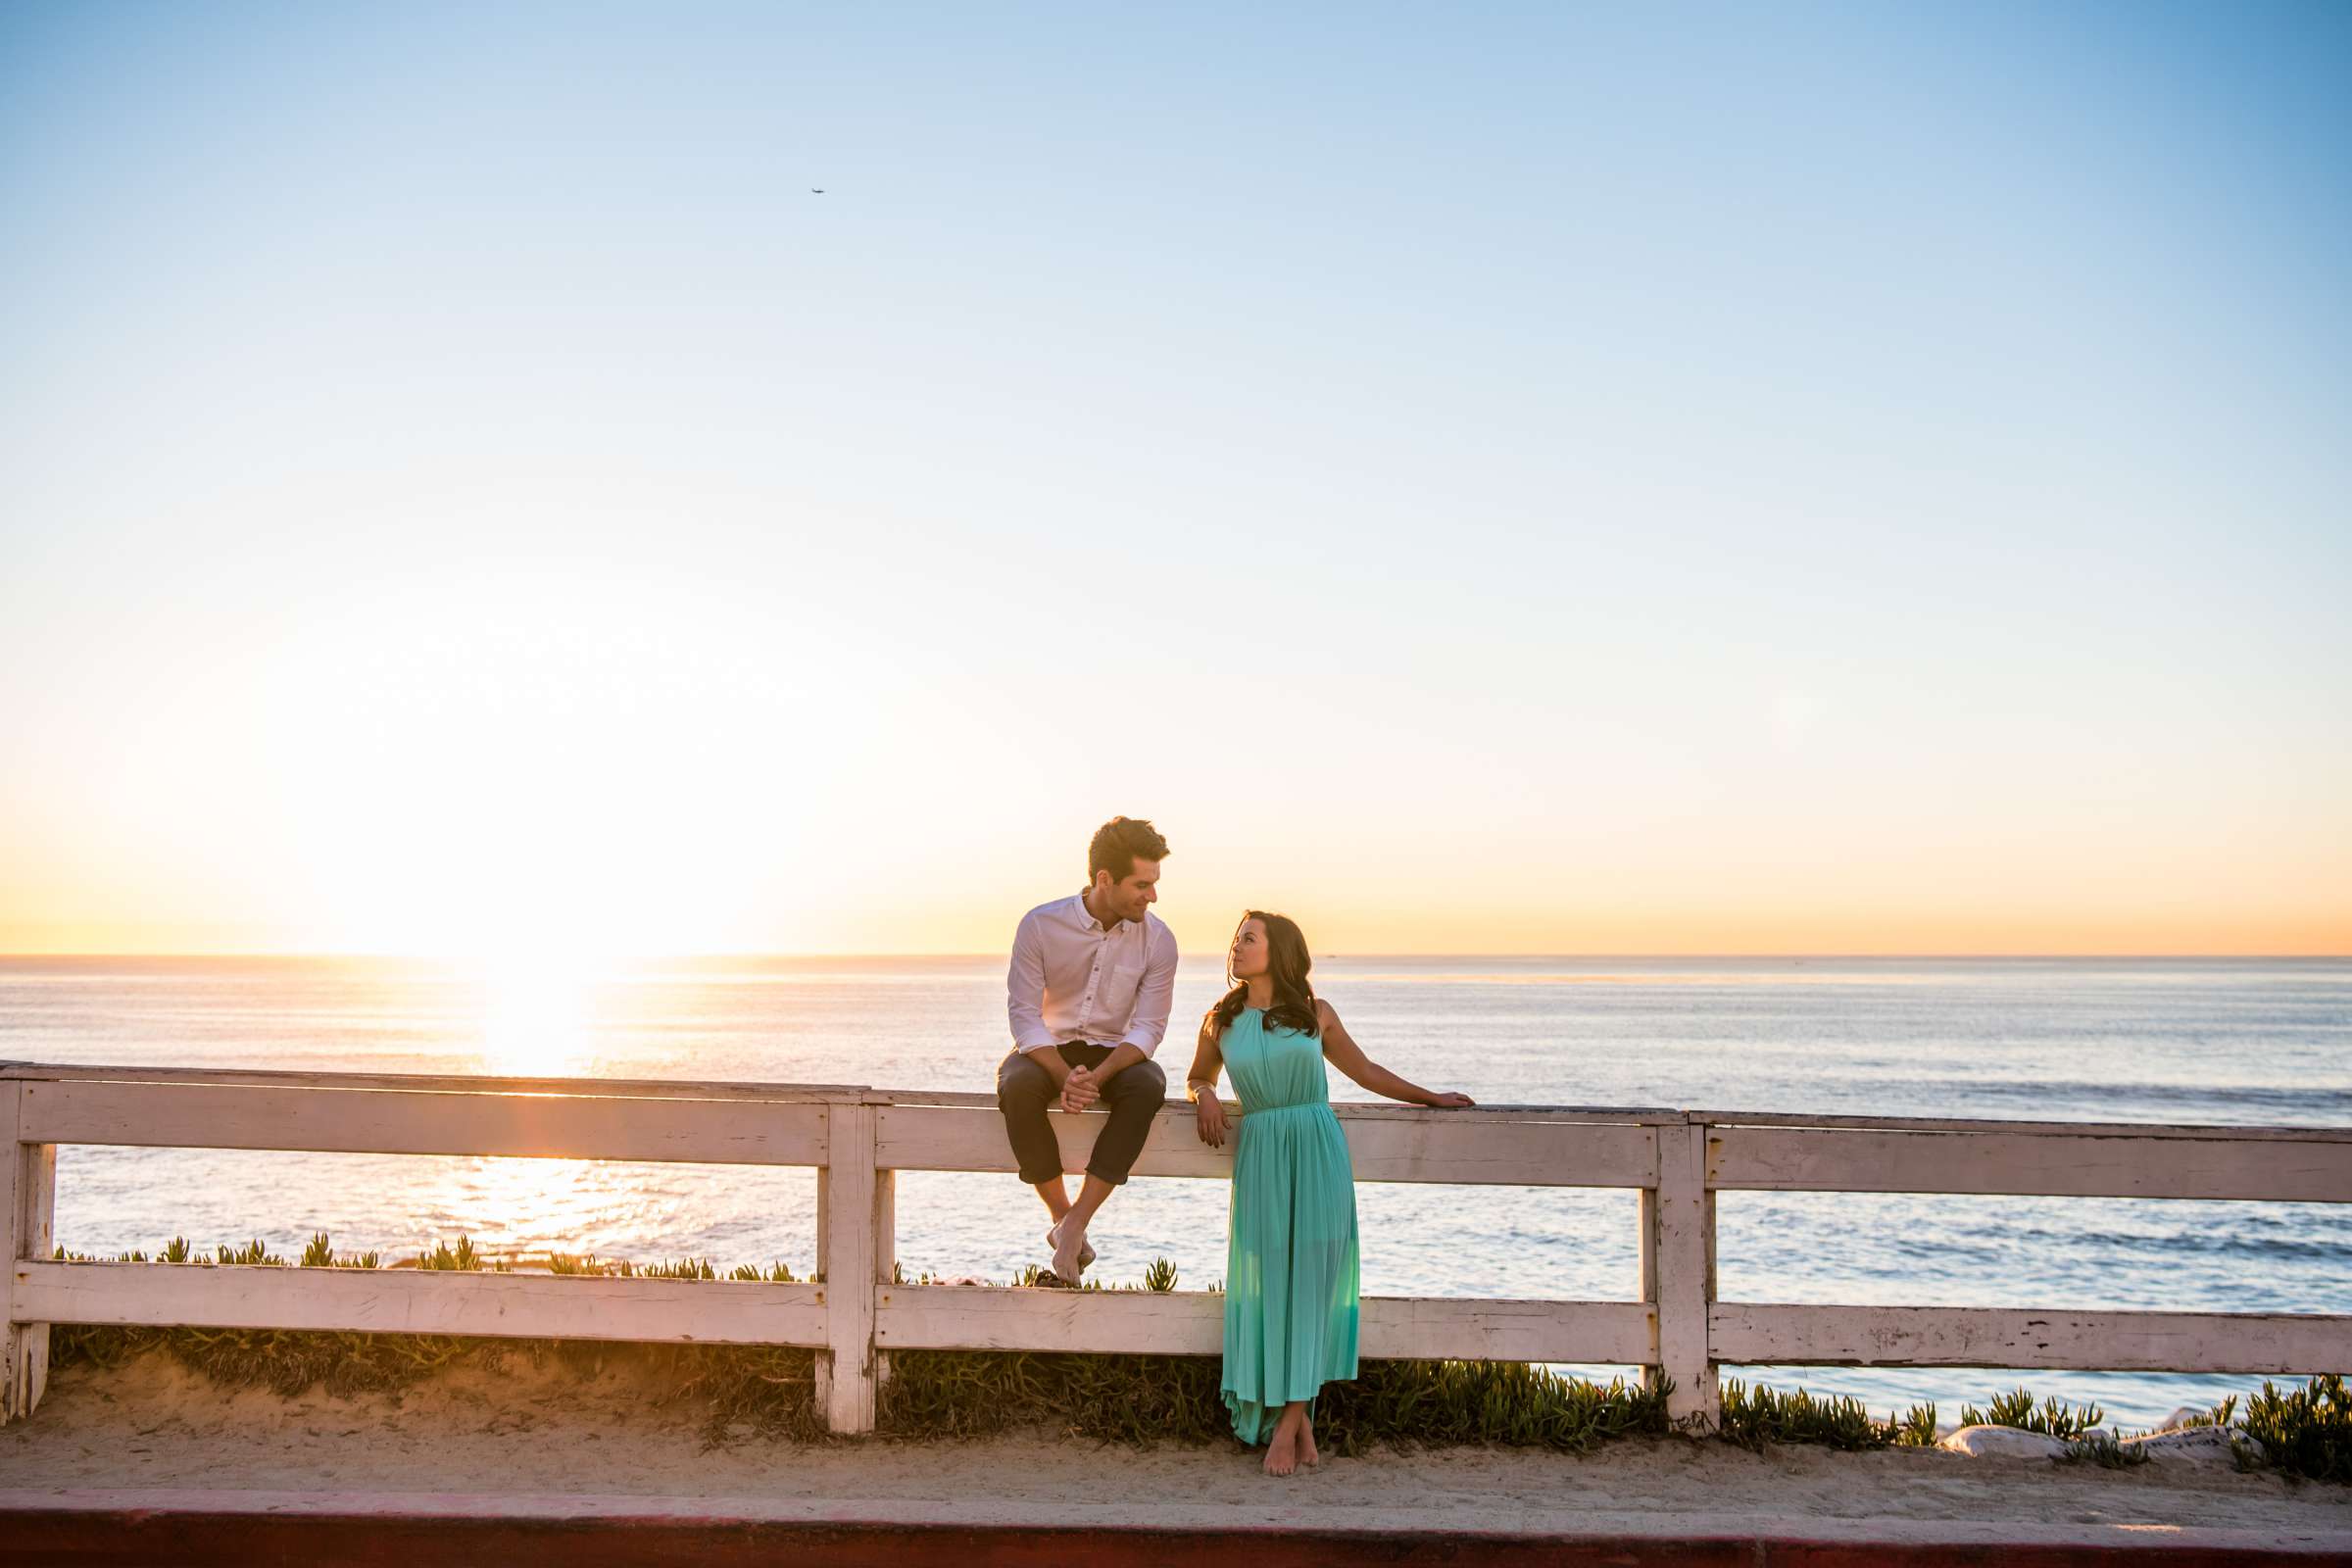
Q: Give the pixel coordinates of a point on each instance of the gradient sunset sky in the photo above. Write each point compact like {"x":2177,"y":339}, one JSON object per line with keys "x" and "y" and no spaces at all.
{"x":1566,"y":479}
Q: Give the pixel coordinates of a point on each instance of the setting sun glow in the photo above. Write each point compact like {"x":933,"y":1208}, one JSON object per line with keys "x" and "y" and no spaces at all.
{"x":535,"y":1015}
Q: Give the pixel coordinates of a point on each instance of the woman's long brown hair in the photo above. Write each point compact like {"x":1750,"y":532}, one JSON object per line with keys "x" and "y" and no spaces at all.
{"x":1287,"y":963}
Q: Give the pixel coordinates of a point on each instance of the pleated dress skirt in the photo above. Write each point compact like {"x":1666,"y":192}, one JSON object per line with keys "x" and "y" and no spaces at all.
{"x":1291,"y":1264}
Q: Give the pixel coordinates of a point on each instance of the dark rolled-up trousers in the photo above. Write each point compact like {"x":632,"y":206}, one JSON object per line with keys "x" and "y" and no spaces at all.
{"x":1134,"y":1094}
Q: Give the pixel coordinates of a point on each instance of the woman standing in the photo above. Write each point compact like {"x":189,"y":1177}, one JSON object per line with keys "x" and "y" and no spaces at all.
{"x":1290,"y":1251}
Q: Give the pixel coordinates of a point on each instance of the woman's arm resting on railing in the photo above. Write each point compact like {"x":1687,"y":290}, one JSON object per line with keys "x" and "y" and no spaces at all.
{"x":1200,"y":1087}
{"x":1342,"y":1052}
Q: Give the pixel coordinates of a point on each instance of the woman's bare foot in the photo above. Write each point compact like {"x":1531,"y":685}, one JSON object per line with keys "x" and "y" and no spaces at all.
{"x":1282,"y":1452}
{"x":1307,"y":1454}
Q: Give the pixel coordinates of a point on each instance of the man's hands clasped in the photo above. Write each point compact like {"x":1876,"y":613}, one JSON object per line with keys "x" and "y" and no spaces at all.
{"x":1080,"y":1088}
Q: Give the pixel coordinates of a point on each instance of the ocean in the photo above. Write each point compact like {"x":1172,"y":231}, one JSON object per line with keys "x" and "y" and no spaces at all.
{"x":2158,"y":1040}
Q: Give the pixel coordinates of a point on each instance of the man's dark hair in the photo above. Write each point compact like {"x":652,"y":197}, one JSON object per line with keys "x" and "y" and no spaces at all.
{"x":1121,"y":842}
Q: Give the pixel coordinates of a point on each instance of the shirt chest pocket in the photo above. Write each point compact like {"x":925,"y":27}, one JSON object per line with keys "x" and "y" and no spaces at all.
{"x":1122,"y":977}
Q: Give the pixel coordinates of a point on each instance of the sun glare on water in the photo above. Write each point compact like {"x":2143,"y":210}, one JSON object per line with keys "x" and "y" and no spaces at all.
{"x":535,"y":1015}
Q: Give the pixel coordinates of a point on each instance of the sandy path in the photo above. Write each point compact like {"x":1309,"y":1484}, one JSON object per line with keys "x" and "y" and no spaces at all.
{"x":154,"y":1425}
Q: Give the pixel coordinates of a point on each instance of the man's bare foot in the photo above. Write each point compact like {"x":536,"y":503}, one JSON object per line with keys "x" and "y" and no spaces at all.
{"x":1282,"y":1452}
{"x":1085,"y":1254}
{"x":1070,"y":1251}
{"x":1307,"y":1454}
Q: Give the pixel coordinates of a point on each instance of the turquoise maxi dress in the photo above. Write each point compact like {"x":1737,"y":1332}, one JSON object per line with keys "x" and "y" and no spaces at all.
{"x":1290,"y":1249}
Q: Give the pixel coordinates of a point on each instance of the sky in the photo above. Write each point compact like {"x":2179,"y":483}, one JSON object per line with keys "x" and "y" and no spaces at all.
{"x":1809,"y":478}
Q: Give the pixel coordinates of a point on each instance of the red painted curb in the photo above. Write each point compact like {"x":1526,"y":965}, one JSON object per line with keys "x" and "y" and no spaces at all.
{"x":398,"y":1539}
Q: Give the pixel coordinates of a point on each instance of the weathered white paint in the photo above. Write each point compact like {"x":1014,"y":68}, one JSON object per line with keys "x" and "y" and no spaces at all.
{"x":1420,"y":1328}
{"x":886,"y":1258}
{"x":1380,"y":1147}
{"x":374,"y":1121}
{"x":2024,"y":1337}
{"x":1676,"y":1258}
{"x":1191,"y":1323}
{"x":983,"y":1317}
{"x":1971,"y":1124}
{"x":2045,"y":1165}
{"x":427,"y":1082}
{"x":847,"y":1200}
{"x":1538,"y":1153}
{"x":14,"y":1336}
{"x":969,"y":1138}
{"x":37,"y":1236}
{"x":688,"y":1088}
{"x":424,"y":1302}
{"x":859,"y":1137}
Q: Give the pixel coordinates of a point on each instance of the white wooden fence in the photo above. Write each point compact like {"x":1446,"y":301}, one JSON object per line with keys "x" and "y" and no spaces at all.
{"x":858,"y":1139}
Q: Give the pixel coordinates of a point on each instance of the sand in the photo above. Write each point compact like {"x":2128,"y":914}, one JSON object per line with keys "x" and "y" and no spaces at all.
{"x":154,"y":1426}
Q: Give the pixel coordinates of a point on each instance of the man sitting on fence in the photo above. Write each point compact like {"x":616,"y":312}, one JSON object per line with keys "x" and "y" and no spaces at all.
{"x":1088,"y":995}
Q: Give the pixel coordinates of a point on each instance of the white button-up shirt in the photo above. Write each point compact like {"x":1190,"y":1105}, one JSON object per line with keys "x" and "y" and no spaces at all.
{"x":1073,"y":978}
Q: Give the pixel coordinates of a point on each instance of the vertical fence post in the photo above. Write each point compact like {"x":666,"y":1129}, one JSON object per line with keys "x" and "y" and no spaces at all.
{"x":12,"y":1339}
{"x":1645,"y":1258}
{"x":1678,"y":1274}
{"x":886,"y":1256}
{"x":845,"y":1211}
{"x":37,"y":1235}
{"x":28,"y":1231}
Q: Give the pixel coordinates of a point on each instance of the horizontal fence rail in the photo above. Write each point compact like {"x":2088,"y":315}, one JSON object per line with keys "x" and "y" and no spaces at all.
{"x":856,"y":1139}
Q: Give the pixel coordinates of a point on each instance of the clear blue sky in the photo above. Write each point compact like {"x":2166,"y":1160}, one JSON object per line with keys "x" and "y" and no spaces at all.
{"x":1626,"y":479}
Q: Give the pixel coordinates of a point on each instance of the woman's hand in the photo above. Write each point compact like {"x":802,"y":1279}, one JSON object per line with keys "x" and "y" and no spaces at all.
{"x":1448,"y":1100}
{"x":1208,"y":1116}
